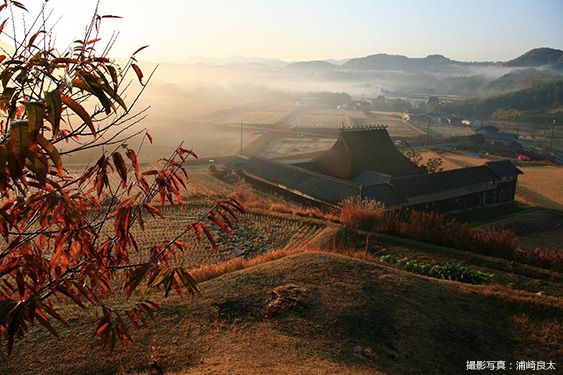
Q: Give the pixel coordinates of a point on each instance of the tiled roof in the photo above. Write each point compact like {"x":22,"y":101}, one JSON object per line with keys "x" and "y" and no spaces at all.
{"x":362,"y":149}
{"x":412,"y":186}
{"x":324,"y":188}
{"x":503,"y":168}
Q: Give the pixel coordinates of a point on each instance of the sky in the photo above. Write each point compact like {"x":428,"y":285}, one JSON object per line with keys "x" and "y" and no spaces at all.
{"x":291,"y":30}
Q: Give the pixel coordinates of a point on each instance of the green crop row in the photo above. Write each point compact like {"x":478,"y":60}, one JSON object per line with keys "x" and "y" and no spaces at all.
{"x":449,"y":271}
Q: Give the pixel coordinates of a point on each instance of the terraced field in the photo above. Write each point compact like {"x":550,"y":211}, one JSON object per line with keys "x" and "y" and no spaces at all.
{"x":255,"y":234}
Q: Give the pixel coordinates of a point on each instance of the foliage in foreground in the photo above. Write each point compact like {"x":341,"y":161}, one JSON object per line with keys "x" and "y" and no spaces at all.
{"x":68,"y":237}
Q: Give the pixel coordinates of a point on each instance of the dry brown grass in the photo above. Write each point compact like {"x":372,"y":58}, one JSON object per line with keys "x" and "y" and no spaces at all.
{"x":361,"y":213}
{"x":429,"y":154}
{"x":545,"y":180}
{"x":429,"y":227}
{"x":211,"y":271}
{"x":356,"y":317}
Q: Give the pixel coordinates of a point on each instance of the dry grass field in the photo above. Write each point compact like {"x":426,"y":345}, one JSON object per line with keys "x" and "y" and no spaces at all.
{"x":259,"y":112}
{"x":255,"y":234}
{"x":314,"y":313}
{"x":285,"y":146}
{"x":319,"y":120}
{"x":327,"y":307}
{"x":395,"y":126}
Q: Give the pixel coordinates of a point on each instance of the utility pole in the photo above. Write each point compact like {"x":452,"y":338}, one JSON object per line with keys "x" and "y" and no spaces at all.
{"x":241,"y":138}
{"x":518,"y":127}
{"x":427,"y":131}
{"x":552,"y":132}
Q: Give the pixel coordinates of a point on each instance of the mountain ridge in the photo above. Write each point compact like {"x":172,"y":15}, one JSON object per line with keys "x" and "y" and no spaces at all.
{"x":550,"y":58}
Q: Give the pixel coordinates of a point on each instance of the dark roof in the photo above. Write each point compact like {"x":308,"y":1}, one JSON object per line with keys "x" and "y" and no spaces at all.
{"x":362,"y":149}
{"x":367,"y":177}
{"x":412,"y":186}
{"x":382,"y":193}
{"x":500,"y":136}
{"x":503,"y":168}
{"x":488,"y":128}
{"x":324,"y":188}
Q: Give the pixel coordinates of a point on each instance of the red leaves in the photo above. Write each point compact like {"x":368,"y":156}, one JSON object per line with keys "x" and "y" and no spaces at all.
{"x":134,"y":277}
{"x":139,"y":50}
{"x":33,"y":37}
{"x":65,"y":60}
{"x":110,"y":16}
{"x":68,"y":233}
{"x":19,"y":5}
{"x":209,"y":236}
{"x":219,"y":223}
{"x":20,"y":283}
{"x":80,"y":111}
{"x":52,"y":152}
{"x":93,"y":41}
{"x":120,"y":167}
{"x":183,"y":151}
{"x":134,"y":162}
{"x":168,"y":278}
{"x":138,"y":72}
{"x":102,"y":175}
{"x":3,"y":25}
{"x":54,"y":110}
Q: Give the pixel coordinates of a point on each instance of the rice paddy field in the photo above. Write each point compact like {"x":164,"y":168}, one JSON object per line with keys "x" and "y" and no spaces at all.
{"x":254,"y":235}
{"x":251,"y":113}
{"x":315,"y":121}
{"x":395,"y":126}
{"x":284,"y":146}
{"x":323,"y":118}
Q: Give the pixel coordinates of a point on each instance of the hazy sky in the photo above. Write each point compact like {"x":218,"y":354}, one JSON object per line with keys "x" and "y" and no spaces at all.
{"x":319,"y":29}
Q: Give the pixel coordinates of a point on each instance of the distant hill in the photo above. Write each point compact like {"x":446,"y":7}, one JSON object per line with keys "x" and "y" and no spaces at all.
{"x":398,"y":62}
{"x":539,"y":57}
{"x":464,"y":85}
{"x":316,"y":65}
{"x":548,"y":57}
{"x":540,"y":97}
{"x":520,"y":79}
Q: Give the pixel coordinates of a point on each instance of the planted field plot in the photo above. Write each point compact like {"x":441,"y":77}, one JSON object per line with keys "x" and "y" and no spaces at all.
{"x":535,"y":227}
{"x":321,"y":118}
{"x":315,"y":121}
{"x":254,"y":113}
{"x":395,"y":126}
{"x":284,"y":146}
{"x":255,"y":234}
{"x":447,"y":131}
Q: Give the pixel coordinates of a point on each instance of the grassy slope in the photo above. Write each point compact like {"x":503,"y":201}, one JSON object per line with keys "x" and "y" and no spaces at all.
{"x":356,"y":317}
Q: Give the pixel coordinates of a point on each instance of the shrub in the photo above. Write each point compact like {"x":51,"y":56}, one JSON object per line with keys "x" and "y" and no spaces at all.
{"x":361,"y":213}
{"x":431,"y":227}
{"x":551,"y":258}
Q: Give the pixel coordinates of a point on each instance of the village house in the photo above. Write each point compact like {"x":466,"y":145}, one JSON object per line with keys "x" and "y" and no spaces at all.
{"x":493,"y":138}
{"x":365,"y":163}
